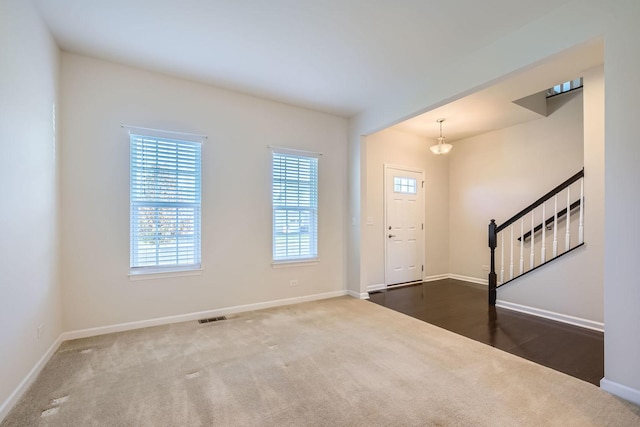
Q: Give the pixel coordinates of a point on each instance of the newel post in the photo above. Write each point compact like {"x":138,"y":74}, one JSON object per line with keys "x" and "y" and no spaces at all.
{"x":493,"y":279}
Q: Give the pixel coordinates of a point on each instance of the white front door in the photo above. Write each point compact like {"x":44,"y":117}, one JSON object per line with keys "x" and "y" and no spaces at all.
{"x":404,"y":225}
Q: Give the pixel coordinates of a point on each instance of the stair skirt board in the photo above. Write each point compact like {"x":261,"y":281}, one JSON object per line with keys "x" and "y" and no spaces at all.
{"x":564,"y":318}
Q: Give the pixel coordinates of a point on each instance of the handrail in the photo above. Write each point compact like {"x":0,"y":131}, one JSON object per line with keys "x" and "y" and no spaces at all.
{"x":550,"y":220}
{"x":494,"y":229}
{"x":540,"y":201}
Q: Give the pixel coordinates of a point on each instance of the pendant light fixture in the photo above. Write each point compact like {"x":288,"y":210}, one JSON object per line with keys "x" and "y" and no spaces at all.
{"x":441,"y":147}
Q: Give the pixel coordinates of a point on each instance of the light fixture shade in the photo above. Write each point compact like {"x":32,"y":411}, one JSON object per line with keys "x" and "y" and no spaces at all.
{"x":441,"y":148}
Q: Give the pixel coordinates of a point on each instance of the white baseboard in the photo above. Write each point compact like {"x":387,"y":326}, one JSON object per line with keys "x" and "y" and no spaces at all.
{"x":362,"y":295}
{"x":101,"y":330}
{"x":456,"y":277}
{"x":469,"y":279}
{"x":373,"y":288}
{"x":620,"y":390}
{"x":435,"y":277}
{"x":8,"y":404}
{"x":379,"y":287}
{"x":564,"y":318}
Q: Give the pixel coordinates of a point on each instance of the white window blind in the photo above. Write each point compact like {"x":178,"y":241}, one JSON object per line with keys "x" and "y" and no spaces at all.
{"x":165,"y":204}
{"x":295,"y":207}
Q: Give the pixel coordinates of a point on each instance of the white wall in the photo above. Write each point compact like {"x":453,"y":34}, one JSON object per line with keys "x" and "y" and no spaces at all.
{"x":355,"y":183}
{"x":622,"y":199}
{"x":497,"y":174}
{"x":574,"y":286}
{"x":403,"y":149}
{"x":97,"y":97}
{"x":29,"y":285}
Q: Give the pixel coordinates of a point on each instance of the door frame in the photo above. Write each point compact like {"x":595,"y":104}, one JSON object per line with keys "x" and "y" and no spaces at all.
{"x":388,"y":166}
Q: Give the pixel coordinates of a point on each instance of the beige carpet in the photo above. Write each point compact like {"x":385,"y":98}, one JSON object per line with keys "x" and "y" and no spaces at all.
{"x":338,"y":362}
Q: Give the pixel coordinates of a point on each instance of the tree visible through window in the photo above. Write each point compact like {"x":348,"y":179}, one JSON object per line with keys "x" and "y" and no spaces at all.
{"x":295,"y":206}
{"x":165,"y":204}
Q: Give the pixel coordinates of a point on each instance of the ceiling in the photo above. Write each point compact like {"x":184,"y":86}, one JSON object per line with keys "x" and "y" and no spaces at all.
{"x":337,"y":56}
{"x":493,"y":108}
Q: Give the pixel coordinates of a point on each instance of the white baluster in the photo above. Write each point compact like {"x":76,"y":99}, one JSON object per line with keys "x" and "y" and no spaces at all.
{"x":543,"y":254}
{"x":501,"y":257}
{"x":532,"y":256}
{"x":555,"y":226}
{"x":521,"y":245}
{"x":581,"y":226}
{"x":567,"y":237}
{"x":511,"y":255}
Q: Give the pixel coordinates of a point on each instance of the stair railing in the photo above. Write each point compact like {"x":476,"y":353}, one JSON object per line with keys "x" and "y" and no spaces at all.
{"x":521,"y":241}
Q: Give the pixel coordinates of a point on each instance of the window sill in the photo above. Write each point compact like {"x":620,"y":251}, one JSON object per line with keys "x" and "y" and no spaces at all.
{"x":295,"y":263}
{"x":150,"y":275}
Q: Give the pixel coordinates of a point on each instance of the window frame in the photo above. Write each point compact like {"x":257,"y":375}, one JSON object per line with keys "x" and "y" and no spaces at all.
{"x":182,"y":141}
{"x":303,"y":257}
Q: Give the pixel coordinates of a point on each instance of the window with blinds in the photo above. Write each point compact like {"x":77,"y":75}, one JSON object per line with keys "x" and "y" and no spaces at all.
{"x":165,"y":204}
{"x":295,"y":207}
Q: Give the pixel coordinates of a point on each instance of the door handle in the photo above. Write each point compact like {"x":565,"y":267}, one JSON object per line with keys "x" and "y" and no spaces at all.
{"x":392,"y":235}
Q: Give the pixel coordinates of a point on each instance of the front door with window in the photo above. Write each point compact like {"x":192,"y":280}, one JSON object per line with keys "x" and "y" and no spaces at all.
{"x":404,"y":218}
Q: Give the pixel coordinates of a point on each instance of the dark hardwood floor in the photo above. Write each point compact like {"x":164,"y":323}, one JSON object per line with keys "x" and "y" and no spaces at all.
{"x":462,"y":308}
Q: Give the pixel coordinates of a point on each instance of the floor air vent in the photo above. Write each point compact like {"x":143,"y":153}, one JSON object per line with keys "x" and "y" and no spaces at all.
{"x":212,"y":319}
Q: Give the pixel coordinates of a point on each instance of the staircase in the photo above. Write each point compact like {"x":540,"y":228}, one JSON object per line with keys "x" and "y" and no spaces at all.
{"x":537,"y":235}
